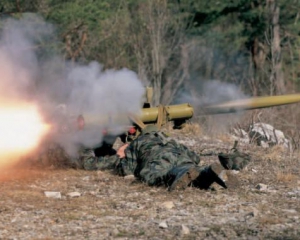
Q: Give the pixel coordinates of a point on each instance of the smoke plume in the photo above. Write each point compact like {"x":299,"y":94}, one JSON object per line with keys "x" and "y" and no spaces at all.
{"x":204,"y":93}
{"x":31,"y":71}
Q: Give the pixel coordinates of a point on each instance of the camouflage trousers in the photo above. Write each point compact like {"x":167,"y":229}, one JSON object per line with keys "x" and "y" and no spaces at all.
{"x":161,"y":170}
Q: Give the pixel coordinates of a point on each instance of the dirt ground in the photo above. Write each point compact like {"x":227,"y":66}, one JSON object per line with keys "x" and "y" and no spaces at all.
{"x":265,"y":206}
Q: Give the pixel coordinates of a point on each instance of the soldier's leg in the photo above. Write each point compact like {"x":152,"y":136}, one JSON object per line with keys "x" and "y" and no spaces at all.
{"x":167,"y":168}
{"x":154,"y":171}
{"x":179,"y":172}
{"x":200,"y":177}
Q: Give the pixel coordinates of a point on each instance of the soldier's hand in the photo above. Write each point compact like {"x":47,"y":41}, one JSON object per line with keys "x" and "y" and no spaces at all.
{"x":121,"y":151}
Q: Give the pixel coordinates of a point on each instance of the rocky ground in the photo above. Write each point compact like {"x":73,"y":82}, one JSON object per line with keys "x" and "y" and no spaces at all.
{"x":99,"y":205}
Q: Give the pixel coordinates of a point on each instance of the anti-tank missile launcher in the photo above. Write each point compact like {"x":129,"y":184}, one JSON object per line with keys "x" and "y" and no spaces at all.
{"x":179,"y":114}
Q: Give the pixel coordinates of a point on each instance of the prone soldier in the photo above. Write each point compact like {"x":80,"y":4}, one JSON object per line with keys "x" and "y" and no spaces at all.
{"x":158,"y":160}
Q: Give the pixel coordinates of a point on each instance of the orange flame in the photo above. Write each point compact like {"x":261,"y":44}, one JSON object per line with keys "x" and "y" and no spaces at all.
{"x":21,"y":130}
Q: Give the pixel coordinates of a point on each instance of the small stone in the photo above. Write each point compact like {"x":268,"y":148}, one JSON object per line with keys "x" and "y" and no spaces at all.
{"x":271,"y":191}
{"x":203,"y":229}
{"x":234,"y":172}
{"x":253,"y":170}
{"x":74,"y":194}
{"x":86,"y":178}
{"x":185,"y":230}
{"x":129,"y":177}
{"x":291,"y":193}
{"x":261,"y":187}
{"x":163,"y":225}
{"x":168,"y":205}
{"x":115,"y":232}
{"x":53,"y":194}
{"x":290,"y":211}
{"x":253,"y":213}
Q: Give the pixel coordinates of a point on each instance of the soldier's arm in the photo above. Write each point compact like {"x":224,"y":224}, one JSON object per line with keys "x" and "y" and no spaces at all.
{"x":119,"y":162}
{"x":91,"y":162}
{"x":128,"y":164}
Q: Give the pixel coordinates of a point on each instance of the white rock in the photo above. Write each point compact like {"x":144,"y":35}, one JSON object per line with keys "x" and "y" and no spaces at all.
{"x":253,"y":213}
{"x":163,"y":225}
{"x":185,"y":230}
{"x":261,"y":187}
{"x":290,"y":210}
{"x":129,"y":177}
{"x":266,"y":135}
{"x":264,"y":144}
{"x":52,"y":194}
{"x":115,"y":232}
{"x":271,"y":191}
{"x":168,"y":204}
{"x":86,"y":178}
{"x":203,"y":229}
{"x":74,"y":194}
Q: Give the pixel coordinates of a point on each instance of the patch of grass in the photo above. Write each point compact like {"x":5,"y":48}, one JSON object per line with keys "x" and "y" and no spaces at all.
{"x":29,"y":195}
{"x":192,"y":129}
{"x":70,"y":216}
{"x":225,"y":137}
{"x":137,"y":233}
{"x":270,"y":220}
{"x":274,"y":153}
{"x":286,"y":177}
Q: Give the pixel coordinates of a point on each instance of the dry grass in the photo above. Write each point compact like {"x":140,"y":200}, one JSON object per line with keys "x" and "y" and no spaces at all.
{"x":275,"y":154}
{"x":286,"y":177}
{"x":270,"y":220}
{"x":225,"y":137}
{"x":193,"y":129}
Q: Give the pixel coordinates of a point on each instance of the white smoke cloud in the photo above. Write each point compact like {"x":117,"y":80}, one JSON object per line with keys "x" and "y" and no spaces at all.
{"x":207,"y":92}
{"x":30,"y":72}
{"x":216,"y":91}
{"x":203,"y":93}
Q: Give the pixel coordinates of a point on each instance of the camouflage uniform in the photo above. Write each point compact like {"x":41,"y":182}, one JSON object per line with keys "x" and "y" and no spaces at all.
{"x":157,"y":160}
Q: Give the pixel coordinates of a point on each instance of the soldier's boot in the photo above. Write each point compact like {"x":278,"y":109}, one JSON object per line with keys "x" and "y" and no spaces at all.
{"x":215,"y":173}
{"x":182,"y":176}
{"x":210,"y":175}
{"x":230,"y":179}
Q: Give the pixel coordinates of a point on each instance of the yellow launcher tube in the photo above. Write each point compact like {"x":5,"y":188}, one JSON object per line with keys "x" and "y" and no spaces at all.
{"x":148,"y":115}
{"x":173,"y":112}
{"x":252,"y":103}
{"x":181,"y":111}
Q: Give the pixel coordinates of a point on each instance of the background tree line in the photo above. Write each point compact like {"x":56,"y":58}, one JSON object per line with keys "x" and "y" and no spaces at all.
{"x":173,"y":44}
